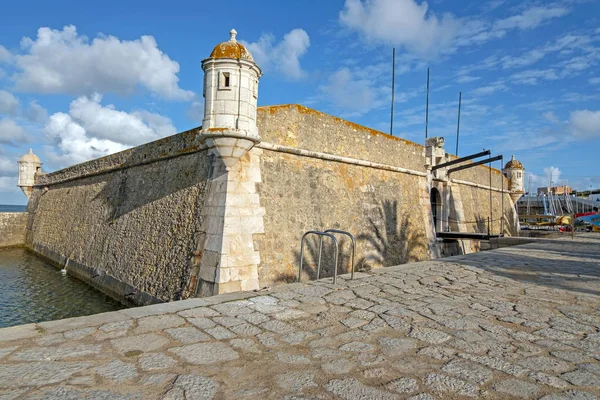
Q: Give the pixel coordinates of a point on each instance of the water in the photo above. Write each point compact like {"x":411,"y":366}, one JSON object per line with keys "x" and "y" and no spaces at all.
{"x":12,"y":208}
{"x":32,"y":290}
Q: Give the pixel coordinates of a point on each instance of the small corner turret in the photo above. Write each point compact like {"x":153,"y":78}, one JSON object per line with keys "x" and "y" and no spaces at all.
{"x":29,"y":165}
{"x":513,"y":171}
{"x":230,"y":98}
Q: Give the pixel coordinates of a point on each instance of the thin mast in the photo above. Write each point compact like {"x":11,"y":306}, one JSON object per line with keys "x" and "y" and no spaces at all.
{"x":427,"y":106}
{"x":458,"y":124}
{"x":393,"y":87}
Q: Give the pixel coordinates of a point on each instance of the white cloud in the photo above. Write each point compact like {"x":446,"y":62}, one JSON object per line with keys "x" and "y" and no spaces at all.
{"x":350,"y":93}
{"x":5,"y":55}
{"x":489,"y":89}
{"x":195,"y":111}
{"x":401,"y":23}
{"x":7,"y":167}
{"x":9,"y":104}
{"x":530,"y":18}
{"x":283,"y":57}
{"x":91,"y":130}
{"x":594,"y":81}
{"x":61,"y":61}
{"x":467,"y":78}
{"x":534,"y":76}
{"x":11,"y":133}
{"x":585,"y":124}
{"x":550,"y":116}
{"x":551,"y":174}
{"x":36,"y":113}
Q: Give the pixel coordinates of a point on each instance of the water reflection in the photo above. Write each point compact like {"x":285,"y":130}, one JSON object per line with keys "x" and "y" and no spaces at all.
{"x":31,"y":290}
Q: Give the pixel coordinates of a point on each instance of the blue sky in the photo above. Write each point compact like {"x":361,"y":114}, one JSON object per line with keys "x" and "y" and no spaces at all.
{"x":79,"y":79}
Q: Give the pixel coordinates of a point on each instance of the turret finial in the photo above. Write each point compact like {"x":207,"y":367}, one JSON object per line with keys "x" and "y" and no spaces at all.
{"x":233,"y":33}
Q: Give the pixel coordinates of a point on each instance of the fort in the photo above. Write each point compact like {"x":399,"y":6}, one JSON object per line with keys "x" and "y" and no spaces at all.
{"x":222,"y":208}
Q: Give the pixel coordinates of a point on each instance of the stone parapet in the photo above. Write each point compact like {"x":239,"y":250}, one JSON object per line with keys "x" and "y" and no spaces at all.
{"x":12,"y":229}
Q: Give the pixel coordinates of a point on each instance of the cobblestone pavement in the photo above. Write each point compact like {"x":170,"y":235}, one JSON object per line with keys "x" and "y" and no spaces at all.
{"x":518,"y":322}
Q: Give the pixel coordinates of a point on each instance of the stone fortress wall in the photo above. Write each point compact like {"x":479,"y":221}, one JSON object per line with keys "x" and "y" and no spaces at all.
{"x":222,"y":208}
{"x":153,"y":223}
{"x":12,"y":229}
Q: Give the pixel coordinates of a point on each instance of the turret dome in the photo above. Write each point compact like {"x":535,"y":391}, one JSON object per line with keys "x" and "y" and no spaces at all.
{"x":514,"y":163}
{"x":30,"y":158}
{"x":231,"y":49}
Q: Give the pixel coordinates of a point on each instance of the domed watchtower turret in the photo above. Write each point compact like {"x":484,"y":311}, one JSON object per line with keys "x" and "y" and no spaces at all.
{"x":29,"y":165}
{"x":230,"y":96}
{"x":513,"y":170}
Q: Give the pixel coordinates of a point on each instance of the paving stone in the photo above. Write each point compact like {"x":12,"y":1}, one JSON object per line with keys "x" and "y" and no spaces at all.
{"x":549,"y":380}
{"x":147,"y":342}
{"x":422,"y":396}
{"x":352,"y":389}
{"x":354,"y":323}
{"x":38,"y":373}
{"x":117,"y":371}
{"x":582,"y":378}
{"x":7,"y":350}
{"x":70,"y":393}
{"x":445,"y":383}
{"x":12,"y":394}
{"x":338,"y":366}
{"x":233,"y":308}
{"x":403,"y":385}
{"x":202,"y":323}
{"x":255,"y":318}
{"x":154,"y":361}
{"x":290,"y":314}
{"x":117,"y":326}
{"x":245,"y":330}
{"x":547,"y":364}
{"x":158,"y":323}
{"x":468,"y":371}
{"x":188,"y":335}
{"x":572,"y":356}
{"x":66,"y":351}
{"x":497,"y":364}
{"x":220,"y":333}
{"x":555,"y":334}
{"x":48,"y":340}
{"x":245,"y":344}
{"x":292,"y":358}
{"x":192,"y":387}
{"x":571,"y":395}
{"x":268,"y":339}
{"x":429,"y":335}
{"x":393,"y":347}
{"x":77,"y":334}
{"x":438,"y":352}
{"x":277,"y":326}
{"x":205,"y":353}
{"x":517,"y":388}
{"x":296,"y":381}
{"x":296,"y":337}
{"x":357,"y":347}
{"x":199,"y":312}
{"x":157,"y":379}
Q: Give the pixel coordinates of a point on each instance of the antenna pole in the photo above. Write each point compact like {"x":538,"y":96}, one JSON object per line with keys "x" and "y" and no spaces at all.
{"x":427,"y":106}
{"x":393,"y":88}
{"x":458,"y":125}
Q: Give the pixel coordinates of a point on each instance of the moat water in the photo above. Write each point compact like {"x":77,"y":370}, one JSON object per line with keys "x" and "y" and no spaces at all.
{"x":32,"y":290}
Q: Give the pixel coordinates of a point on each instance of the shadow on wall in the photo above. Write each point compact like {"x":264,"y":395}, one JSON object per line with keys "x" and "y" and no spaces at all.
{"x":396,"y":242}
{"x":389,"y":241}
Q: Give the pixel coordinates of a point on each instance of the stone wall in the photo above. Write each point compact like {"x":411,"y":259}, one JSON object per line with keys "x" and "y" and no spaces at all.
{"x":320,"y":172}
{"x":133,"y":217}
{"x":12,"y":229}
{"x":168,"y":220}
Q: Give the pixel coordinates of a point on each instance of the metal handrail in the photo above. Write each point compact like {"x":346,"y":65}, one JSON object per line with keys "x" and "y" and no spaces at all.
{"x":337,"y":249}
{"x":353,"y":247}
